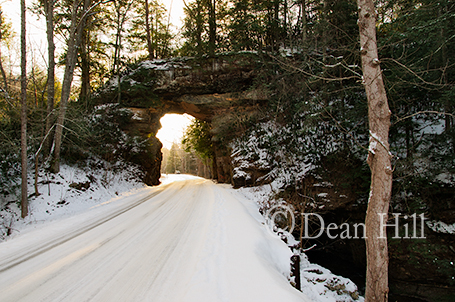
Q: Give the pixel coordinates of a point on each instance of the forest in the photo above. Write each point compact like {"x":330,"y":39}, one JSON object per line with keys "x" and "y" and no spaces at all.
{"x":313,"y":129}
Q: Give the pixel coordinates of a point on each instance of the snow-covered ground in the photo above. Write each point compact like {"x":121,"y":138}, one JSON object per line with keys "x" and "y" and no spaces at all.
{"x":73,"y":190}
{"x":317,"y":282}
{"x":185,"y":240}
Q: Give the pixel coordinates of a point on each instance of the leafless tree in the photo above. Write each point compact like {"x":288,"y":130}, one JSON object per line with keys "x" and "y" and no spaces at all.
{"x":49,"y":9}
{"x":379,"y":158}
{"x":2,"y":70}
{"x":74,"y":41}
{"x":24,"y":200}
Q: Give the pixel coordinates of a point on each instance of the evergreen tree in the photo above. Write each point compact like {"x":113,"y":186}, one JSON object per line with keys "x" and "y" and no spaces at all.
{"x":204,"y":27}
{"x":417,"y":50}
{"x":150,"y":31}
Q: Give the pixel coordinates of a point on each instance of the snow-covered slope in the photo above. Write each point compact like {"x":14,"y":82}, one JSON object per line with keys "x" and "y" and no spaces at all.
{"x":73,"y":190}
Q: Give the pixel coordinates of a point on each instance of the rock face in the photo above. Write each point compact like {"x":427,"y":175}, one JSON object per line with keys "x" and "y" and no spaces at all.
{"x":206,"y":88}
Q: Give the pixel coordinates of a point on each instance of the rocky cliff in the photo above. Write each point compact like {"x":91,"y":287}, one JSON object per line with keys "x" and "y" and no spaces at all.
{"x":206,"y":88}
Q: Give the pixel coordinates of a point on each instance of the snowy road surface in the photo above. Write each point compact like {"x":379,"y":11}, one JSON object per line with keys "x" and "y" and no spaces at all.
{"x":190,"y":240}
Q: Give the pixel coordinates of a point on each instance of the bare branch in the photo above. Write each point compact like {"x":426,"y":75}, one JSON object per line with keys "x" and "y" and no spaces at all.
{"x":423,"y":112}
{"x":292,"y":67}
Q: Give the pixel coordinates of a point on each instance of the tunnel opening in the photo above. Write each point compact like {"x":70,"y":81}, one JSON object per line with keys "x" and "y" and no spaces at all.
{"x":172,"y":128}
{"x":177,"y":157}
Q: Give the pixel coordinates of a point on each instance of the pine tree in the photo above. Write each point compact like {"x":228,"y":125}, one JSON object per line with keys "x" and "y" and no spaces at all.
{"x":150,"y":31}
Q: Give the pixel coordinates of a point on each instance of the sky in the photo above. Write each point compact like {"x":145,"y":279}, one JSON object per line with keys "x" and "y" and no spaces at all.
{"x":36,"y":27}
{"x":176,"y":10}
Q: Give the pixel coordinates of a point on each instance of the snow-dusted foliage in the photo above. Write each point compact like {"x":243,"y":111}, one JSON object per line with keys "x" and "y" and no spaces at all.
{"x":320,"y":284}
{"x":441,"y":227}
{"x":284,"y":152}
{"x":144,"y":73}
{"x":267,"y":149}
{"x":9,"y":172}
{"x":107,"y":122}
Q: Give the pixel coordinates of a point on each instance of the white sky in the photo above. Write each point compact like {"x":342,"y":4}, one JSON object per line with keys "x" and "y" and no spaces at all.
{"x":176,"y":11}
{"x":173,"y":126}
{"x":36,"y":29}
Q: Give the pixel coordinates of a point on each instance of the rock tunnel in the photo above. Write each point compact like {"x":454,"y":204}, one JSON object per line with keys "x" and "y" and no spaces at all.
{"x":208,"y":88}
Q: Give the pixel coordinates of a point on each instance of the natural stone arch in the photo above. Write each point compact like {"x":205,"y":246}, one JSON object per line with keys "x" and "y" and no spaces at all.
{"x":207,"y":89}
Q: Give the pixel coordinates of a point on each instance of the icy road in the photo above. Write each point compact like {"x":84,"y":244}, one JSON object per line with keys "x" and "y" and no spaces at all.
{"x":189,"y":240}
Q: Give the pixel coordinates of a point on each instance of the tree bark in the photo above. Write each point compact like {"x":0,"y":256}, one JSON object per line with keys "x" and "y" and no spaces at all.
{"x":444,"y":64}
{"x":212,"y":27}
{"x":148,"y":31}
{"x":85,"y":66}
{"x":74,"y":42}
{"x":303,"y":20}
{"x":379,"y":158}
{"x":199,"y":25}
{"x":49,"y":9}
{"x":120,"y":22}
{"x":2,"y":70}
{"x":24,"y":200}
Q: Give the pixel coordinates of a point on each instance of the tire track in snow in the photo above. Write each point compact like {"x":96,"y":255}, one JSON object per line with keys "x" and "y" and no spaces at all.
{"x":8,"y":263}
{"x":180,"y":244}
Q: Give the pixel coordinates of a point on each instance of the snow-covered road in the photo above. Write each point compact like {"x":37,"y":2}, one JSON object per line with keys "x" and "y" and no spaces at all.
{"x":189,"y":240}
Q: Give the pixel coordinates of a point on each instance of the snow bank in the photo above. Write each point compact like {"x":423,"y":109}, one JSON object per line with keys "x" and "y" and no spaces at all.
{"x":73,"y":190}
{"x":441,"y":227}
{"x":318,"y":283}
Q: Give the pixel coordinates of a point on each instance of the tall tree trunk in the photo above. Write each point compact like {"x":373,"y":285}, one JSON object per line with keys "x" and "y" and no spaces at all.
{"x":379,"y":158}
{"x":85,"y":66}
{"x":74,"y":41}
{"x":212,"y":27}
{"x":199,"y":26}
{"x":444,"y":66}
{"x":285,"y":22}
{"x":49,"y":8}
{"x":303,"y":20}
{"x":24,"y":200}
{"x":325,"y":34}
{"x":214,"y":165}
{"x":121,"y":19}
{"x":276,"y":25}
{"x":148,"y":31}
{"x":2,"y":70}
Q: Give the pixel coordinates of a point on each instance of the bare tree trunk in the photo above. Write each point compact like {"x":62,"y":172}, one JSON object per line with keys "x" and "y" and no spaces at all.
{"x":285,"y":22}
{"x":444,"y":65}
{"x":2,"y":70}
{"x":74,"y":41}
{"x":199,"y":25}
{"x":276,"y":25}
{"x":121,"y":19}
{"x":147,"y":29}
{"x":212,"y":27}
{"x":49,"y":8}
{"x":85,"y":66}
{"x":214,"y":165}
{"x":24,"y":200}
{"x":379,"y":158}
